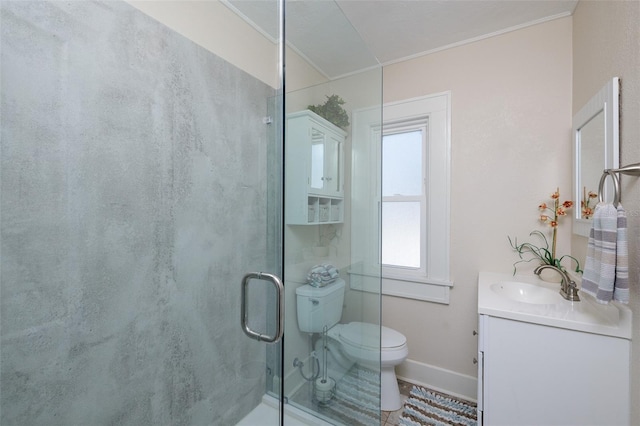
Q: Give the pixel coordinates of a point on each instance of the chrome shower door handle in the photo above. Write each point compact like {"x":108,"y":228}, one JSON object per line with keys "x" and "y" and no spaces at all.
{"x":244,"y":313}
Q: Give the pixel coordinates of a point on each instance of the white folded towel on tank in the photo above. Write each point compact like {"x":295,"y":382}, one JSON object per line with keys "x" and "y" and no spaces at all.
{"x":321,"y":275}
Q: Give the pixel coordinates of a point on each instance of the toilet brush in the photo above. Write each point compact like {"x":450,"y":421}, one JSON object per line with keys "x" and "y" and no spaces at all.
{"x":324,"y":387}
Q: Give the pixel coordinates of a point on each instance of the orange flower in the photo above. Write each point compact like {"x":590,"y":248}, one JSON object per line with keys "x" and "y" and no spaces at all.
{"x":592,"y":194}
{"x":546,"y":253}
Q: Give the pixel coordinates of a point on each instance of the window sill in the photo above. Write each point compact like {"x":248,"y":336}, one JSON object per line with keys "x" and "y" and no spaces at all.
{"x":415,"y":279}
{"x":417,"y":288}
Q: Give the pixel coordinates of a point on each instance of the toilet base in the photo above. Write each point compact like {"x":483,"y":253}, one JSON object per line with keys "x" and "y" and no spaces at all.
{"x":384,"y":359}
{"x":389,"y":390}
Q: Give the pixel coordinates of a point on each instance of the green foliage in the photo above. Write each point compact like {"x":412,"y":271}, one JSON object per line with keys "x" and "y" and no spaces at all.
{"x":332,"y":111}
{"x":542,"y":254}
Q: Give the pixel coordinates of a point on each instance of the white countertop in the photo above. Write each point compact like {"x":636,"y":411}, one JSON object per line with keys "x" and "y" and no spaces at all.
{"x":587,"y":315}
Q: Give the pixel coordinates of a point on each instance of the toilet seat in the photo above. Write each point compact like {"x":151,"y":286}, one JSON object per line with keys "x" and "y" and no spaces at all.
{"x":371,"y":336}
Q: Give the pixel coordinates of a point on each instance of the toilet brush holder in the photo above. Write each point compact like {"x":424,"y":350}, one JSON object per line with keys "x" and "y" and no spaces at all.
{"x":324,"y":390}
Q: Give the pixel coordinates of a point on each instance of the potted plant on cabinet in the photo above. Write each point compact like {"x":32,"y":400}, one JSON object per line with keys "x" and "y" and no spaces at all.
{"x":332,"y":111}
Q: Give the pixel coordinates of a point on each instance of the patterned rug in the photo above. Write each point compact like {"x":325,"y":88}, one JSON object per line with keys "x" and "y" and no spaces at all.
{"x":356,"y":401}
{"x":426,"y":407}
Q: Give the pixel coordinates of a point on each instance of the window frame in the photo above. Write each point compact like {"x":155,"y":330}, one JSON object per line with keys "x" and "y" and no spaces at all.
{"x":435,"y":284}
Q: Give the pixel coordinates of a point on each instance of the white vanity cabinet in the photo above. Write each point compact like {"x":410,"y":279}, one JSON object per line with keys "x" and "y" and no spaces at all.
{"x":532,"y":374}
{"x":314,"y":170}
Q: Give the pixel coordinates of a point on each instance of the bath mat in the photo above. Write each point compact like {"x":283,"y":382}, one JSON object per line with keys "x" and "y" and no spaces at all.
{"x":356,"y":402}
{"x":426,"y":407}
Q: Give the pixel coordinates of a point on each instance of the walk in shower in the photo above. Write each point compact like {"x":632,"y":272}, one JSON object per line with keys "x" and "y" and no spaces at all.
{"x":142,"y":176}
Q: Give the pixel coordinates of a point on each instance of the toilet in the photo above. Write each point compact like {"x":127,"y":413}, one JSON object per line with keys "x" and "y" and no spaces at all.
{"x":367,"y":344}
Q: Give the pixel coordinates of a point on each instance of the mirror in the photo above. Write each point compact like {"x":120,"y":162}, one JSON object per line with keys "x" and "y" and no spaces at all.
{"x":595,"y":148}
{"x":317,"y":159}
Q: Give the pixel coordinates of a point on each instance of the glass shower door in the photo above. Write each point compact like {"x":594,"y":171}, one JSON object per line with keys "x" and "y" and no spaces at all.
{"x":331,"y":255}
{"x":135,"y":195}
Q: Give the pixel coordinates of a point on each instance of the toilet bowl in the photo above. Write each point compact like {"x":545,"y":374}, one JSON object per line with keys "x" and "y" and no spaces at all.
{"x":371,"y":346}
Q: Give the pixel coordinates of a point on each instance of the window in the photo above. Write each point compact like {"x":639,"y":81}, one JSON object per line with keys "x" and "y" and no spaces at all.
{"x":410,"y":156}
{"x":404,"y":197}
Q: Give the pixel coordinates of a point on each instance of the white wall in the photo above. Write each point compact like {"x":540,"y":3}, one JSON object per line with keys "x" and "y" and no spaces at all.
{"x":511,"y":127}
{"x":606,"y":44}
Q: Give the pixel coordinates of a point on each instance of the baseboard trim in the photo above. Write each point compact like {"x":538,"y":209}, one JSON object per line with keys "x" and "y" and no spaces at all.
{"x":293,"y":380}
{"x":439,"y":379}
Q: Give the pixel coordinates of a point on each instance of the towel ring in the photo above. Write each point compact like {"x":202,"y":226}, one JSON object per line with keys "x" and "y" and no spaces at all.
{"x":616,"y":186}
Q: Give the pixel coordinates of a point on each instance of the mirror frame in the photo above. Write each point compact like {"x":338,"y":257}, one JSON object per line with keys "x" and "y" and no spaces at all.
{"x":607,"y":101}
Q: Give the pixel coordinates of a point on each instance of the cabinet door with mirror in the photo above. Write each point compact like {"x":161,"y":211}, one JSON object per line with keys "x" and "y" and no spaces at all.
{"x":326,"y":162}
{"x":595,"y":130}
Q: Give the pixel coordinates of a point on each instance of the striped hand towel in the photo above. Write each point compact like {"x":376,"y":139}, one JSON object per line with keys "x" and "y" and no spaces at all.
{"x":621,"y":285}
{"x":606,"y":272}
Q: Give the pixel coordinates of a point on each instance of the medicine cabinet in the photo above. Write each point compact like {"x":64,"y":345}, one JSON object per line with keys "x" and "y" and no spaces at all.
{"x":314,"y":170}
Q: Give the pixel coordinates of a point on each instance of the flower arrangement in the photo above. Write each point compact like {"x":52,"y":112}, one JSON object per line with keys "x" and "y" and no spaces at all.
{"x":587,"y":197}
{"x":551,"y":216}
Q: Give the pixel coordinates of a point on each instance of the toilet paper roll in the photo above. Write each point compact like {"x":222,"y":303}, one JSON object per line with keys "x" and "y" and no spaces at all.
{"x":324,"y":389}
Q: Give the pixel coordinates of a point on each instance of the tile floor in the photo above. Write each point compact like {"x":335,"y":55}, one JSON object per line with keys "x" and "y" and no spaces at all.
{"x":390,"y":418}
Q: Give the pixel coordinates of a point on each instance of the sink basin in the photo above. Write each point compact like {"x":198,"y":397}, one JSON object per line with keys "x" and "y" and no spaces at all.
{"x":526,"y":298}
{"x":526,"y":293}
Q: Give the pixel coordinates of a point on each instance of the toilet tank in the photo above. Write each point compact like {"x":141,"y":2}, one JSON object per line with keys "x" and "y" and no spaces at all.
{"x":319,"y":306}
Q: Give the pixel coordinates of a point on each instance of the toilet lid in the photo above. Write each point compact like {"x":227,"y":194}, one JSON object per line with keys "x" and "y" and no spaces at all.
{"x":367,"y":335}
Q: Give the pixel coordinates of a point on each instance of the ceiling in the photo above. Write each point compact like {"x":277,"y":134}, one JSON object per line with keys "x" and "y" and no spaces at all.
{"x":347,"y":36}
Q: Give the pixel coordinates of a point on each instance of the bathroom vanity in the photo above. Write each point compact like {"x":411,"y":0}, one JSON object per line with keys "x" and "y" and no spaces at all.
{"x":547,"y":361}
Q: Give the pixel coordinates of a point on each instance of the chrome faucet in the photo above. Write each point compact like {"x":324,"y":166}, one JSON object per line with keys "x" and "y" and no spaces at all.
{"x":568,"y":288}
